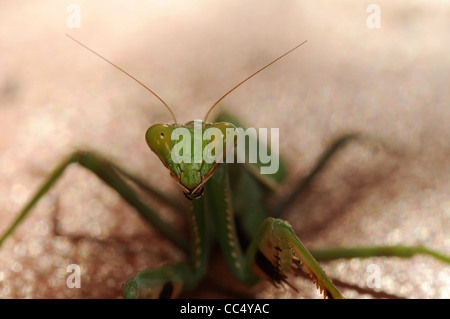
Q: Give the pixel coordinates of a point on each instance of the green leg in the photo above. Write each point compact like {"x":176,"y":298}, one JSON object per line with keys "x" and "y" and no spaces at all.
{"x":250,"y":189}
{"x":249,"y":203}
{"x":219,"y":198}
{"x":274,"y":251}
{"x":375,"y":251}
{"x":168,"y":281}
{"x":107,"y":172}
{"x":153,"y":192}
{"x":163,"y":282}
{"x":356,"y":252}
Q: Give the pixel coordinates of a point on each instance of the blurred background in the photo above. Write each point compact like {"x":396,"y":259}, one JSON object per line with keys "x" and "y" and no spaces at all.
{"x":390,"y":82}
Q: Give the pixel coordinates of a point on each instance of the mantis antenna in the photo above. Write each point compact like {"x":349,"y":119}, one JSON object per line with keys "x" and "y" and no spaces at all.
{"x":120,"y":69}
{"x":249,"y":77}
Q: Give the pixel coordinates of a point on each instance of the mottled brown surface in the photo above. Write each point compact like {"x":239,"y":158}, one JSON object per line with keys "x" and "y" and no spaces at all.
{"x":390,"y":82}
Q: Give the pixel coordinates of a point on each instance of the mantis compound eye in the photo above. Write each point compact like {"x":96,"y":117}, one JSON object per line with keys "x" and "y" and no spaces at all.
{"x":159,"y":140}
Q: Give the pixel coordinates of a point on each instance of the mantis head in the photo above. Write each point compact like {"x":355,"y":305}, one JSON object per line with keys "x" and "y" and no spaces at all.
{"x":192,"y":151}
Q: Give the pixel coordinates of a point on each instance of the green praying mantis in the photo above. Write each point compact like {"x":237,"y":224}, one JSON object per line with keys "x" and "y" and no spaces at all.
{"x":214,"y":213}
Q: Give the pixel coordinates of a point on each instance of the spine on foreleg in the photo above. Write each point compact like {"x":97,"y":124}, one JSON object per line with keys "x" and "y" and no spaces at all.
{"x":280,"y":252}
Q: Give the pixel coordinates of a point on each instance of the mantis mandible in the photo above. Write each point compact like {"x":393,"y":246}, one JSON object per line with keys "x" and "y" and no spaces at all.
{"x":274,"y":251}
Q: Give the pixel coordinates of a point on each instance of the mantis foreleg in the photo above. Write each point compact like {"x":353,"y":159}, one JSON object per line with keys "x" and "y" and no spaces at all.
{"x":168,"y":281}
{"x":275,"y":250}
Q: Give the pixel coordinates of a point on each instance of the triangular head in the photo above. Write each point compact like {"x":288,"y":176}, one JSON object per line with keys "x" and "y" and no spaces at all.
{"x":192,"y":151}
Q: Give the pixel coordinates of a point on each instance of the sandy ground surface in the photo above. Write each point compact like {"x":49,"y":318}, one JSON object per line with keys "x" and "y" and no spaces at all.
{"x":390,"y":82}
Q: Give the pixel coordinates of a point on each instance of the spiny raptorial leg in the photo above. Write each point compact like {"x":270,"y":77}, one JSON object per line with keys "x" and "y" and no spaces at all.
{"x":278,"y":252}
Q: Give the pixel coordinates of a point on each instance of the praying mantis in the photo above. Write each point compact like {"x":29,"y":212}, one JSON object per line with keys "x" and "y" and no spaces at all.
{"x":274,"y":250}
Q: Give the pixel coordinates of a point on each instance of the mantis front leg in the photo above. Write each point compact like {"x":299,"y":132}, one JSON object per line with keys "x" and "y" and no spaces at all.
{"x":273,"y":252}
{"x":168,"y":281}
